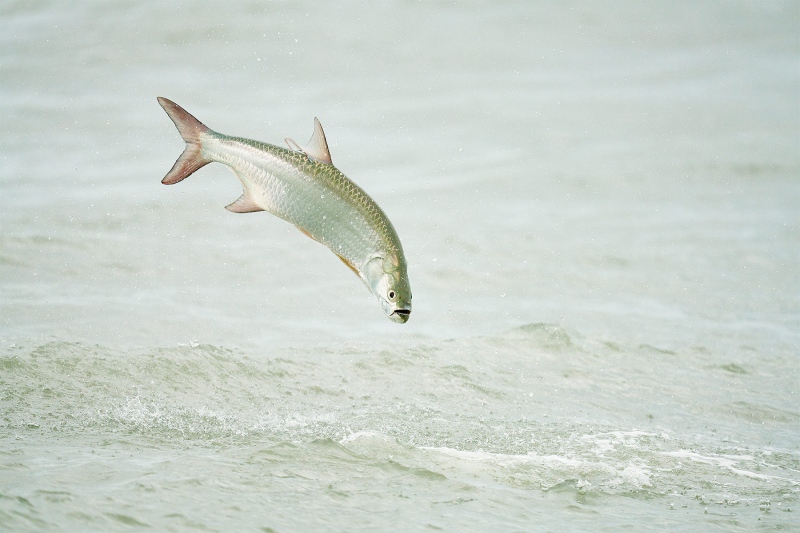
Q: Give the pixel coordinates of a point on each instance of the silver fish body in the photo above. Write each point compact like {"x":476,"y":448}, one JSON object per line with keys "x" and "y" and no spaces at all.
{"x":303,"y":187}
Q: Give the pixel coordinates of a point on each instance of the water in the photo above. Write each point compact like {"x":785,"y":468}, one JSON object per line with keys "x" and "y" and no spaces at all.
{"x":600,"y":206}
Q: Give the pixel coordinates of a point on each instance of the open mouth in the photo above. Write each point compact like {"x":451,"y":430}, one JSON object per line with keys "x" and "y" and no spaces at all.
{"x":402,"y":314}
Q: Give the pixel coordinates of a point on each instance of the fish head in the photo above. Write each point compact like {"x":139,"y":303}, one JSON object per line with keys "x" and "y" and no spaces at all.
{"x":387,"y":278}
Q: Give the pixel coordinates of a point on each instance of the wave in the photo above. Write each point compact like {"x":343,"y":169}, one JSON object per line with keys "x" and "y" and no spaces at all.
{"x":537,"y":407}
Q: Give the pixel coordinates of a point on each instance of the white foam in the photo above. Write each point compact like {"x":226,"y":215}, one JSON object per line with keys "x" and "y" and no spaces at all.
{"x":728,"y":462}
{"x":364,"y":435}
{"x":505,"y":460}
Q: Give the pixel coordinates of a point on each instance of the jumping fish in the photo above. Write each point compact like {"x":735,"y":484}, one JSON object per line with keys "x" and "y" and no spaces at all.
{"x":301,"y":186}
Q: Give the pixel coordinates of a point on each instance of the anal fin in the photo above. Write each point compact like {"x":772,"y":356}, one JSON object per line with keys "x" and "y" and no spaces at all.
{"x":244,"y":204}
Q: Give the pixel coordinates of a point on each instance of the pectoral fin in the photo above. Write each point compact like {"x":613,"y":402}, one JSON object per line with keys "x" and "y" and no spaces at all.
{"x":307,"y":234}
{"x":347,"y":262}
{"x":350,"y":265}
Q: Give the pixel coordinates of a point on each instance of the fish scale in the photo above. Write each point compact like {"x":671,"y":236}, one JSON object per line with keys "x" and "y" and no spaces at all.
{"x":304,"y":188}
{"x":313,"y":196}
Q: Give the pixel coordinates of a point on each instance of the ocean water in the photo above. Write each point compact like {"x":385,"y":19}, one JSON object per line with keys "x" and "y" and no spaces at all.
{"x":600,"y":207}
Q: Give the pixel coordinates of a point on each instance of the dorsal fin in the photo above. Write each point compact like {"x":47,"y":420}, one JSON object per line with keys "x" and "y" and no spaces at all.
{"x":293,"y":145}
{"x":317,"y":147}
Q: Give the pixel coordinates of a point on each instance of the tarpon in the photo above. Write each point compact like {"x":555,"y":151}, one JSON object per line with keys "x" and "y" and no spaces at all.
{"x":301,"y":186}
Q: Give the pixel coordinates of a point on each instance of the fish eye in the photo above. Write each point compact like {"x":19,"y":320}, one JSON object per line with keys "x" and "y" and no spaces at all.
{"x":392,"y":295}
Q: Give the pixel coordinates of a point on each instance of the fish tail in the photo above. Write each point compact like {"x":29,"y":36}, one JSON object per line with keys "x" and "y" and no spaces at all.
{"x":191,"y":130}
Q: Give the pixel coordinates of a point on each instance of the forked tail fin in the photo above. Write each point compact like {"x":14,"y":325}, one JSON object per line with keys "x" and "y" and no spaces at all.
{"x":191,"y":130}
